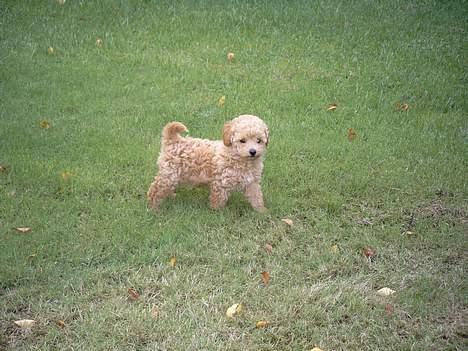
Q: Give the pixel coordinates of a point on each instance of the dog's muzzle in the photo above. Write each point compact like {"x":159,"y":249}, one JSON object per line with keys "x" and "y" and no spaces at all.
{"x":252,"y":152}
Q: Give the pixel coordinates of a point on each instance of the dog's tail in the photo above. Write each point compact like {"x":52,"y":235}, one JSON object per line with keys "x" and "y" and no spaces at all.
{"x":171,"y":131}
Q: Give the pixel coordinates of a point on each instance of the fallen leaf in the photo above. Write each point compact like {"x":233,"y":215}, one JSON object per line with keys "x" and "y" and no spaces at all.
{"x":25,"y":323}
{"x":132,"y":294}
{"x":31,"y":256}
{"x":334,"y":248}
{"x":316,"y":349}
{"x":268,"y":248}
{"x":60,"y":323}
{"x":389,"y":309}
{"x":221,"y":101}
{"x":230,"y":56}
{"x":288,"y":221}
{"x":408,"y":232}
{"x":265,"y":277}
{"x":50,"y":50}
{"x":3,"y":168}
{"x":234,"y":310}
{"x":155,"y":312}
{"x":368,"y":252}
{"x":66,"y":175}
{"x":351,"y":134}
{"x":365,"y":221}
{"x":23,"y":229}
{"x":385,"y":292}
{"x":261,"y":324}
{"x":44,"y":124}
{"x":331,"y":107}
{"x":98,"y":42}
{"x":61,"y":2}
{"x":402,"y":107}
{"x":172,"y":261}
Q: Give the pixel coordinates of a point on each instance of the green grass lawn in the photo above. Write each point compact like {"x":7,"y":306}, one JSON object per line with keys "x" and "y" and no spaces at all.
{"x":386,"y":169}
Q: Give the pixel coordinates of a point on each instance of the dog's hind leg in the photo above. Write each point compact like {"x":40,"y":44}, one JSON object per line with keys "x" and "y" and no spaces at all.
{"x":159,"y":189}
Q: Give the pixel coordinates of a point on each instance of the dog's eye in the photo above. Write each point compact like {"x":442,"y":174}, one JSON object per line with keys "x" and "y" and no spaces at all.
{"x":242,"y":141}
{"x":259,"y":140}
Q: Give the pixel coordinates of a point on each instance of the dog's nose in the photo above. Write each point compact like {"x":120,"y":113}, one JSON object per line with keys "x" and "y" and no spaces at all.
{"x":252,"y":152}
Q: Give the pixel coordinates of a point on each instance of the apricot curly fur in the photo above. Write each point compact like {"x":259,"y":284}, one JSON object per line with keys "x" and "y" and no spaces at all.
{"x":234,"y":163}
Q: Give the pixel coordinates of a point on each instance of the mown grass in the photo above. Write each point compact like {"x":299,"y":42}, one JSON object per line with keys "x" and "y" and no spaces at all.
{"x":80,"y":184}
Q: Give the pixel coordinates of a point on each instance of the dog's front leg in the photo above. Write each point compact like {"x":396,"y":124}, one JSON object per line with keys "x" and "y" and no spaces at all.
{"x":253,"y":193}
{"x":218,"y":196}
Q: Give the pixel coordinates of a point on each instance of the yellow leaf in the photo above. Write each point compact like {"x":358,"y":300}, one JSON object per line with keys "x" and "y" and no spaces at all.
{"x":230,"y":56}
{"x":132,"y":294}
{"x":334,"y":248}
{"x":316,"y":349}
{"x":23,"y":229}
{"x":288,"y":221}
{"x":98,"y":42}
{"x":265,"y":277}
{"x":221,"y":101}
{"x":234,"y":310}
{"x":60,"y":323}
{"x":44,"y":124}
{"x":172,"y":261}
{"x":50,"y":50}
{"x":261,"y":324}
{"x":66,"y":175}
{"x":331,"y":107}
{"x":25,"y":323}
{"x":351,"y":134}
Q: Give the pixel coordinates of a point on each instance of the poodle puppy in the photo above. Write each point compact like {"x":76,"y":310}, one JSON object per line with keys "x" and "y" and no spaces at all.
{"x":233,"y":164}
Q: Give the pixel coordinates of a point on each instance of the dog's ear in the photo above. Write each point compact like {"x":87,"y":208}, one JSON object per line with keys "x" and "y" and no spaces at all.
{"x":267,"y":135}
{"x":227,"y":134}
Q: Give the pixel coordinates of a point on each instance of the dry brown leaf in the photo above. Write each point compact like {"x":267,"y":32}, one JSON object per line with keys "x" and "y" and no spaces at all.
{"x":155,"y":312}
{"x":385,"y":292}
{"x":268,"y":248}
{"x":288,"y":221}
{"x":331,"y":107}
{"x":389,"y":309}
{"x":221,"y":101}
{"x":351,"y":134}
{"x":3,"y":168}
{"x":133,"y":294}
{"x":261,"y":324}
{"x":23,"y":229}
{"x":368,"y":252}
{"x":44,"y":124}
{"x":230,"y":56}
{"x":265,"y":277}
{"x":60,"y":323}
{"x":234,"y":310}
{"x":173,"y":261}
{"x":25,"y":323}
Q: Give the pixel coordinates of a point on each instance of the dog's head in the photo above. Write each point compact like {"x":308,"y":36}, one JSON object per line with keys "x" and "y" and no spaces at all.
{"x":247,"y":135}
